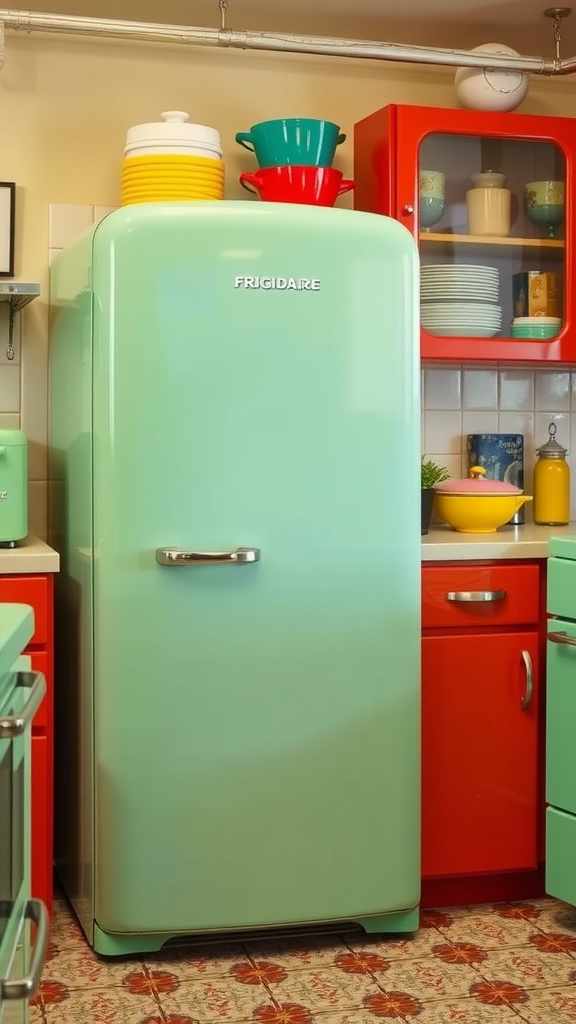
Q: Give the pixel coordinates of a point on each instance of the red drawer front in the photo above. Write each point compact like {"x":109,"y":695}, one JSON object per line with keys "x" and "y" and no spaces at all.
{"x":519,"y":605}
{"x":31,"y":590}
{"x":43,"y":716}
{"x":41,"y":821}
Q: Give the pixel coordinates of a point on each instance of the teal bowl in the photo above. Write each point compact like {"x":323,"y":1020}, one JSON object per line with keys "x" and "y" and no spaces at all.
{"x":292,"y":140}
{"x":543,"y":334}
{"x":431,"y":211}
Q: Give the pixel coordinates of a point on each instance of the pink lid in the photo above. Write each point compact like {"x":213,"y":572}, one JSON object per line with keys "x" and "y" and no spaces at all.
{"x":476,"y":484}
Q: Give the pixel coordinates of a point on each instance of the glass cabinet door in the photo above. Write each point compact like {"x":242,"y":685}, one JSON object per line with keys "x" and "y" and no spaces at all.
{"x":491,"y":229}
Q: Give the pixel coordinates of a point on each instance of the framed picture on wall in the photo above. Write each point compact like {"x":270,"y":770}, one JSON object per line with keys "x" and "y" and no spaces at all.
{"x":7,"y":209}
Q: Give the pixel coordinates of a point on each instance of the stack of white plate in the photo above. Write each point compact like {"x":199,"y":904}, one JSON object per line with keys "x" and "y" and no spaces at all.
{"x":460,"y":300}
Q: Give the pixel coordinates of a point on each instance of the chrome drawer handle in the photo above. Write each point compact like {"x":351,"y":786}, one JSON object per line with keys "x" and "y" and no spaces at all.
{"x":527,"y":698}
{"x":15,"y":725}
{"x":562,"y":638}
{"x":475,"y":596}
{"x":178,"y":556}
{"x":24,"y":988}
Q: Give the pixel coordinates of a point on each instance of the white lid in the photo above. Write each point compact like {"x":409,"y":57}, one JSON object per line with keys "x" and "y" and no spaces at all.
{"x":173,"y":129}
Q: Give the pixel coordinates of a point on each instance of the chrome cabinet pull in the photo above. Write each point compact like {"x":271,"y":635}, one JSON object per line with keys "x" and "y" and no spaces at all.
{"x":475,"y":596}
{"x":527,"y":698}
{"x":562,"y":638}
{"x":24,"y":988}
{"x":15,"y":725}
{"x":178,"y":556}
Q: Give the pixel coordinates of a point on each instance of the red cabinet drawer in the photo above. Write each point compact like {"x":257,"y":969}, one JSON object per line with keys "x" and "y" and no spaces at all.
{"x":43,"y":717}
{"x":31,"y":590}
{"x":515,"y":590}
{"x":41,"y":821}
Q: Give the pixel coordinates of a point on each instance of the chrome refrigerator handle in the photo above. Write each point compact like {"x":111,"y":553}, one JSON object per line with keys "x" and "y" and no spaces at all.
{"x":178,"y":556}
{"x":475,"y":595}
{"x":527,"y":698}
{"x":15,"y":725}
{"x":562,"y":638}
{"x":24,"y":988}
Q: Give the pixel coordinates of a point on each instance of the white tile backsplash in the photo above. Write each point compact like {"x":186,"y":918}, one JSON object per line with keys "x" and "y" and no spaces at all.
{"x":516,"y":390}
{"x":66,"y":221}
{"x":443,"y":389}
{"x":552,"y":390}
{"x":480,"y":389}
{"x":521,"y":400}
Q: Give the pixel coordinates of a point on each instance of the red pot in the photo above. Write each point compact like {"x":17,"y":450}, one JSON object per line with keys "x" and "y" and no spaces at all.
{"x":314,"y":186}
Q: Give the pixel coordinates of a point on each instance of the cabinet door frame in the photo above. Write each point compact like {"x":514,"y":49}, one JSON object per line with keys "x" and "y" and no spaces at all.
{"x":455,"y":840}
{"x":387,"y":145}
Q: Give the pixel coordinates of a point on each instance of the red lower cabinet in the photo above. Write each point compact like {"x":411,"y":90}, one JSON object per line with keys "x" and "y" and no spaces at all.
{"x":37,"y":590}
{"x":480,"y":754}
{"x":482,"y":805}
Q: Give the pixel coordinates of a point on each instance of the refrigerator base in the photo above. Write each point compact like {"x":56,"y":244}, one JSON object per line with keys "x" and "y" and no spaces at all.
{"x":115,"y":944}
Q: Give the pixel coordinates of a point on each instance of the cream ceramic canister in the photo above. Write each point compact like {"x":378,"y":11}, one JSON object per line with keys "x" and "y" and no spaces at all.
{"x":488,"y":205}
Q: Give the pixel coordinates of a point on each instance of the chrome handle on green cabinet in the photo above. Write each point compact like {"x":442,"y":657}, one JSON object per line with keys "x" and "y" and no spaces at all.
{"x":15,"y":725}
{"x":527,"y":698}
{"x":475,"y":596}
{"x":562,"y":638}
{"x":25,"y":988}
{"x":178,"y":556}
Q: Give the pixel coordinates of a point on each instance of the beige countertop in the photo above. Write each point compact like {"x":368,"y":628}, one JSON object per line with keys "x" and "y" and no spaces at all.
{"x":442,"y":544}
{"x":30,"y":555}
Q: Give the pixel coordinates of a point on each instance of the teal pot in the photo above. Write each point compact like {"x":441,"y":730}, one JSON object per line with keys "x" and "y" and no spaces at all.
{"x":292,"y":140}
{"x":428,"y":495}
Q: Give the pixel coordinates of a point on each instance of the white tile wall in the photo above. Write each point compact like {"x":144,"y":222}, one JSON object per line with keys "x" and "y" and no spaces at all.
{"x":457,"y":401}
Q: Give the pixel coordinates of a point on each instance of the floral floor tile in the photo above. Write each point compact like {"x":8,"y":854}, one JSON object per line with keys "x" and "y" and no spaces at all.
{"x":65,"y":930}
{"x":465,"y":1011}
{"x":102,"y":1006}
{"x":196,"y":962}
{"x":550,"y":1006}
{"x":215,"y":999}
{"x":504,"y":926}
{"x":555,"y":916}
{"x":355,"y":1016}
{"x":80,"y":967}
{"x":394,"y":946}
{"x":298,"y":953}
{"x":449,"y":973}
{"x":323,"y":989}
{"x":530,"y":966}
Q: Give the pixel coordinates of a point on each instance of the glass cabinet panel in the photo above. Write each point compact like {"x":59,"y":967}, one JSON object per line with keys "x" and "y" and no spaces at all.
{"x":491,"y":237}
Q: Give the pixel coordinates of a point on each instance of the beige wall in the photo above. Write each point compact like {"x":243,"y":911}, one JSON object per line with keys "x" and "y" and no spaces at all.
{"x":65,"y":105}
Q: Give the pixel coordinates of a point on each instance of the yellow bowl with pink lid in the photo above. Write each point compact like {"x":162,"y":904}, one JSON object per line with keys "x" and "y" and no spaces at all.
{"x":477,"y":505}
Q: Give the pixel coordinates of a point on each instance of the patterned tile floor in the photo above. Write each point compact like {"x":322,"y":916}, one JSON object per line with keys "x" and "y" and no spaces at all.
{"x":503,"y":964}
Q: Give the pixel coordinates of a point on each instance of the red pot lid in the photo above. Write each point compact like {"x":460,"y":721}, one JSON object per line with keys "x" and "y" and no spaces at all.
{"x":476,"y":484}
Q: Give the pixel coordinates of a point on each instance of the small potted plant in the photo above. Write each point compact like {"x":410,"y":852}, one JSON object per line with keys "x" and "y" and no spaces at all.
{"x":431,"y":474}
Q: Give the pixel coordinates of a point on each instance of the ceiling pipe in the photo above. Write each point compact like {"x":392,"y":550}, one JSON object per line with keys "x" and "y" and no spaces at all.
{"x":35,"y":21}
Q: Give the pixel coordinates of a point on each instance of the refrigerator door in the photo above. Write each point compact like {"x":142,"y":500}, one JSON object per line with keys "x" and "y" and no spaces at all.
{"x":256,"y":719}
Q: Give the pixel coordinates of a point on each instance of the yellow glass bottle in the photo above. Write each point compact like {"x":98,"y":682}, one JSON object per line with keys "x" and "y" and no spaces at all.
{"x":551,"y":483}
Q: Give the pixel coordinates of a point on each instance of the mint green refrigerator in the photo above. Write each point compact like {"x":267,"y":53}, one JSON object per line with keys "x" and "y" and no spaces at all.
{"x":235,"y":494}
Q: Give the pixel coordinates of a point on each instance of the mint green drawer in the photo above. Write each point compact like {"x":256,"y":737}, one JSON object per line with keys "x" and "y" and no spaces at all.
{"x":561,"y":588}
{"x":561,"y":855}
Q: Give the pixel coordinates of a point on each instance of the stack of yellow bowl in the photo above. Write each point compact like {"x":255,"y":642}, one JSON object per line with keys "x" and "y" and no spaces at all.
{"x":172,"y":160}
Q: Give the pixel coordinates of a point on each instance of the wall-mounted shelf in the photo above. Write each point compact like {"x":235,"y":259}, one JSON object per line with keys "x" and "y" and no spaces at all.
{"x":18,"y":293}
{"x":521,"y":243}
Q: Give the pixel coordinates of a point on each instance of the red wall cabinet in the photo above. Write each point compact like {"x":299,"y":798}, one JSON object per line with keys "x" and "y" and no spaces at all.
{"x":37,"y":590}
{"x":393,"y":144}
{"x":482,"y":711}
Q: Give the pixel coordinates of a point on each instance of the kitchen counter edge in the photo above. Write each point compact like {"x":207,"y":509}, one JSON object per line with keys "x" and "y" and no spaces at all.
{"x":30,"y":555}
{"x":442,"y":544}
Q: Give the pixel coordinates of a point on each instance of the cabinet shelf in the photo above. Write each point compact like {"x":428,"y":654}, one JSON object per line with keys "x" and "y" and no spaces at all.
{"x":520,"y":243}
{"x":18,"y":293}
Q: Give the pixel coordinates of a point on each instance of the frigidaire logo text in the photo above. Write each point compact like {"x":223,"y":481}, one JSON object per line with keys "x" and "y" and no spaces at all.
{"x":279,"y":284}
